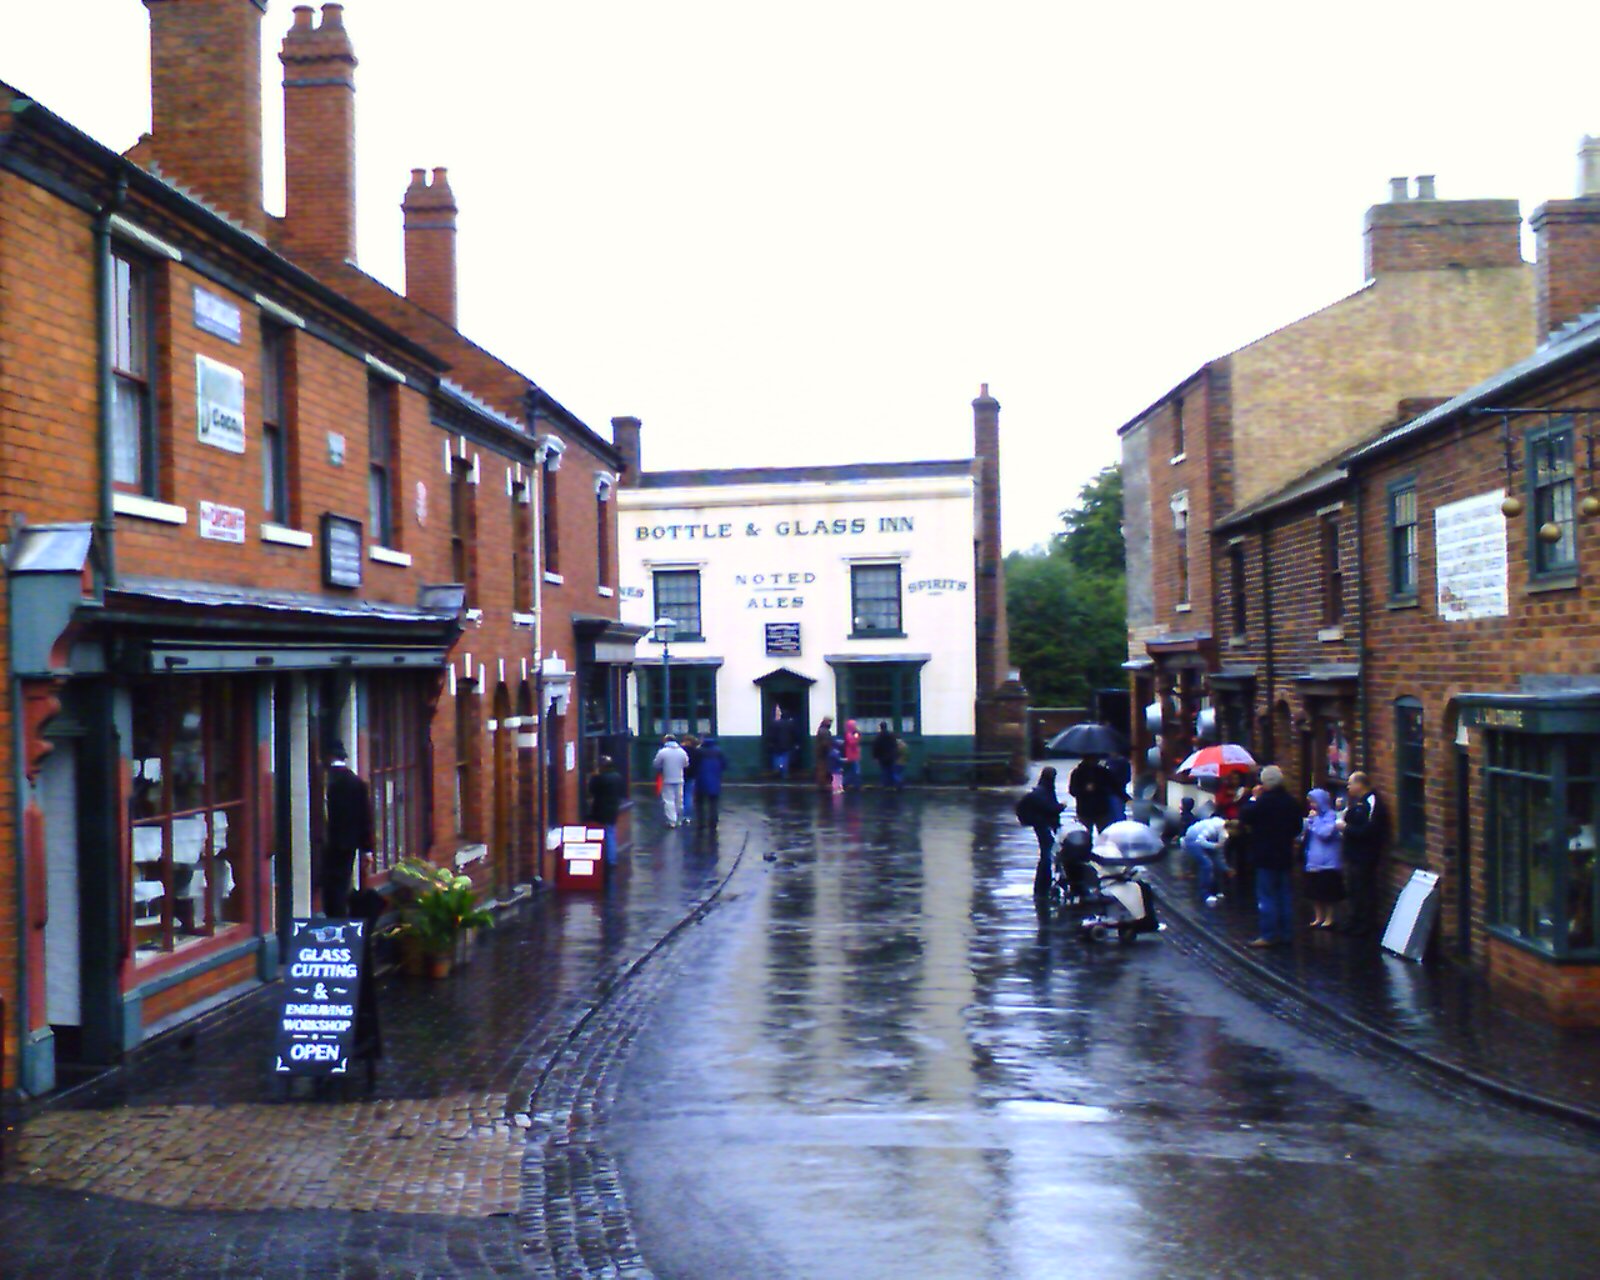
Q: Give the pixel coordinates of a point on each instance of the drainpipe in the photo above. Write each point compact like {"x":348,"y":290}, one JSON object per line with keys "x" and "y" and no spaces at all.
{"x":1361,"y":625}
{"x":542,"y":773}
{"x":105,"y":526}
{"x":1272,"y":667}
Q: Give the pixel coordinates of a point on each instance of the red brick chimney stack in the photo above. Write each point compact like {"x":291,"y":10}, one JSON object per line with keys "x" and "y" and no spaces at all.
{"x":205,"y":89}
{"x":430,"y":221}
{"x":993,"y":646}
{"x":625,"y":435}
{"x":1425,"y":233}
{"x":319,"y":135}
{"x":1567,"y":271}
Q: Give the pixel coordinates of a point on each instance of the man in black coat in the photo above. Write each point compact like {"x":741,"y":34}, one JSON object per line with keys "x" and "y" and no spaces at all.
{"x":348,"y":832}
{"x":1366,"y":832}
{"x":1274,"y":820}
{"x":1091,"y":789}
{"x":605,"y":803}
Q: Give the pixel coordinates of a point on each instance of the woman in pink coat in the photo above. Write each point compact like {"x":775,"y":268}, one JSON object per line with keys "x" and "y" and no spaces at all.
{"x":852,"y":756}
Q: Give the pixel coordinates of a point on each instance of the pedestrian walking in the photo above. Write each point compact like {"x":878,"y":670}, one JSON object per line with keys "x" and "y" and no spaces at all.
{"x":1202,"y":845}
{"x":1090,"y":788}
{"x":708,"y":785}
{"x":1272,"y":820}
{"x":670,"y":763}
{"x":1041,"y":810}
{"x":691,"y":773}
{"x":605,"y":803}
{"x":883,"y":754}
{"x":1366,"y":833}
{"x":1324,"y":864}
{"x":347,"y":833}
{"x":821,"y":748}
{"x":852,"y":756}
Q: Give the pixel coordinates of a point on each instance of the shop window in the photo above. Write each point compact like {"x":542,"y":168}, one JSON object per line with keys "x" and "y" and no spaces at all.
{"x":604,"y":726}
{"x":276,"y":397}
{"x":382,"y":527}
{"x":1410,"y":792}
{"x":875,"y":600}
{"x":678,"y":597}
{"x":688,"y":697}
{"x":1332,"y":573}
{"x":1403,"y":540}
{"x":1551,"y":485}
{"x":188,"y":813}
{"x":1237,"y":591}
{"x":1541,"y":840}
{"x":133,"y":443}
{"x":521,"y":549}
{"x":463,"y":527}
{"x":466,"y":755}
{"x":397,"y":729}
{"x":873,"y":692}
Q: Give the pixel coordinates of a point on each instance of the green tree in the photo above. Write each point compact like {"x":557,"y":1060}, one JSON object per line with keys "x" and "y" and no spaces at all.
{"x":1066,"y":606}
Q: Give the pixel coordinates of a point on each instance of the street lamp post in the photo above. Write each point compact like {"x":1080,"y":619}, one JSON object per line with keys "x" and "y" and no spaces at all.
{"x":666,"y":628}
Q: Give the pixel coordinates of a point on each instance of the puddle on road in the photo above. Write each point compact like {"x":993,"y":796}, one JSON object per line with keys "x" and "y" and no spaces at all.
{"x":1058,"y":1112}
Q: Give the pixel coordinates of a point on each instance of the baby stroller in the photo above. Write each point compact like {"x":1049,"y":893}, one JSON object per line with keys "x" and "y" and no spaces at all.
{"x":1126,"y":903}
{"x":1076,"y":883}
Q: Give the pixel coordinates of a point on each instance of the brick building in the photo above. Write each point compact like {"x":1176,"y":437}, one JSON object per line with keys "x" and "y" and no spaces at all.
{"x":1247,"y":423}
{"x":259,"y":503}
{"x":1421,"y":606}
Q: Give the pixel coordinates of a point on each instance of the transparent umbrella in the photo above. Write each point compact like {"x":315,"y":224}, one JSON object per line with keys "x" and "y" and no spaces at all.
{"x":1129,"y":841}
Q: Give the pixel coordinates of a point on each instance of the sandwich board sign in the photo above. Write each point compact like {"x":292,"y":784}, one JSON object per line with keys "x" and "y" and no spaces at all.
{"x":322,"y":979}
{"x":1412,"y":919}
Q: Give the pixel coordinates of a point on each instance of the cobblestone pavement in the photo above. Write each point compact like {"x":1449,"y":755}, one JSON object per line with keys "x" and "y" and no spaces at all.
{"x":193,"y":1160}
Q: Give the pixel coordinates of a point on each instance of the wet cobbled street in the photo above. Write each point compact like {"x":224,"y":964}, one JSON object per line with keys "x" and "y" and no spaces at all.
{"x":835,"y":1039}
{"x":883,"y":1062}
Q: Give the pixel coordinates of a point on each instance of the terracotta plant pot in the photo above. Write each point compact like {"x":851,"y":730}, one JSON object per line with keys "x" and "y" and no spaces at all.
{"x":436,"y":964}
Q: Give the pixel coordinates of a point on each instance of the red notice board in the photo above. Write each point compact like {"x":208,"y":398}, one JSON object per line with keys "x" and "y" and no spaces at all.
{"x":581,"y":858}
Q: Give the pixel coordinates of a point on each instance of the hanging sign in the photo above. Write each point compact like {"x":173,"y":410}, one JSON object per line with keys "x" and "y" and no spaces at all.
{"x":220,"y":404}
{"x":321,"y":986}
{"x":341,"y":551}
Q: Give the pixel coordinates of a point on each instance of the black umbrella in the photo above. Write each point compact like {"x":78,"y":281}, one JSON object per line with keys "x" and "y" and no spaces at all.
{"x":1089,"y":740}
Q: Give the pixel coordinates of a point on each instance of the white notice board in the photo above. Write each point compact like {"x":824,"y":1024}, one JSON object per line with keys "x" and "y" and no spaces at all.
{"x":1412,"y":919}
{"x":1469,"y":539}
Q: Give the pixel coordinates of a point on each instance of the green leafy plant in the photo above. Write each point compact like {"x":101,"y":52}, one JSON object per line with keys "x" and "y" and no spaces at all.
{"x":445,"y":906}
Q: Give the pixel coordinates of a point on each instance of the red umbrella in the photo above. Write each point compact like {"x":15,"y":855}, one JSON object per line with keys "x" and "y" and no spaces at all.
{"x":1213,"y":762}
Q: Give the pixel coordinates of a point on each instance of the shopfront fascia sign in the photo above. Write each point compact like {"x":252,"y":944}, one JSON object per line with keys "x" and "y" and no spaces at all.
{"x":783,"y":639}
{"x":216,"y":315}
{"x":220,"y":404}
{"x":221,"y":524}
{"x":1470,"y":544}
{"x":341,"y":551}
{"x":838,"y":527}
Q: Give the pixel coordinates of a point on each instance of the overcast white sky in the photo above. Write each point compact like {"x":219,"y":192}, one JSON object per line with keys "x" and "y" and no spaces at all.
{"x":786,"y":233}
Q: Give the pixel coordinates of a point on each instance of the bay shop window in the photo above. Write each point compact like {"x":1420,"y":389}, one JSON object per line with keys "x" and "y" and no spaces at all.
{"x":187,"y":814}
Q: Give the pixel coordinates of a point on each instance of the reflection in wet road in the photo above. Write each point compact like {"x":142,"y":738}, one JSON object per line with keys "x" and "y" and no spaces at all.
{"x":879,"y":1061}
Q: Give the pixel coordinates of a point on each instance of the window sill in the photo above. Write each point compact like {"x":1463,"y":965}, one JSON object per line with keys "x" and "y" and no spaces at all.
{"x":131,"y":504}
{"x":1238,"y":642}
{"x":1404,"y":602}
{"x":387,"y":555}
{"x":1555,"y":582}
{"x":467,"y":854}
{"x":1172,"y":462}
{"x":607,"y":592}
{"x":877,"y":635}
{"x":474,"y":615}
{"x":1182,"y":608}
{"x":1511,"y":938}
{"x":522,"y":619}
{"x":554,"y":579}
{"x":1327,"y":635}
{"x":283,"y":535}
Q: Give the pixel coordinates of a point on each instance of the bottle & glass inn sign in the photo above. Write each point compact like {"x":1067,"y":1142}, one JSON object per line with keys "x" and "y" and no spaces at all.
{"x":837,"y":527}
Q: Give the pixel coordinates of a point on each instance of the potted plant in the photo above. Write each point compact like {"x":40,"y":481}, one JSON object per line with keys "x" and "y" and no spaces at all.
{"x":443,"y":911}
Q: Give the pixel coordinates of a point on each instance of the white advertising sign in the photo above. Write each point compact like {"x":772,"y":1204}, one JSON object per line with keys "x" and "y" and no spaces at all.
{"x":221,"y":404}
{"x":1469,"y":539}
{"x":221,"y":524}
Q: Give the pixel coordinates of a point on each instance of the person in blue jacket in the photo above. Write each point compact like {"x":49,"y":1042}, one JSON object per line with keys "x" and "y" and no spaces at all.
{"x":708,"y":785}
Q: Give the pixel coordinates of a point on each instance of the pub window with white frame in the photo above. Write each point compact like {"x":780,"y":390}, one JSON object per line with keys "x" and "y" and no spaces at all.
{"x":133,"y":445}
{"x":677,"y":593}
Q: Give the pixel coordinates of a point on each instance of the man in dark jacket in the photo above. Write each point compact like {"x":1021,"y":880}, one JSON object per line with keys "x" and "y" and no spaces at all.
{"x":708,"y":785}
{"x":1273,"y":818}
{"x":883,"y":752}
{"x":1040,"y":810}
{"x":1090,"y":787}
{"x":347,"y":833}
{"x":605,"y":803}
{"x":1366,"y":830}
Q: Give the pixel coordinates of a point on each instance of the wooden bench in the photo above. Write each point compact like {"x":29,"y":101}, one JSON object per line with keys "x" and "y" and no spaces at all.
{"x":991,"y":768}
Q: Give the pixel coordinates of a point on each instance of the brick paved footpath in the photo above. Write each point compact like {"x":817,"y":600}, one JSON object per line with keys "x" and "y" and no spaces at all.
{"x":192,"y":1161}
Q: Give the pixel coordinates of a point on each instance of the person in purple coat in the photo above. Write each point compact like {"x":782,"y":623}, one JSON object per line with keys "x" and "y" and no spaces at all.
{"x":1324,"y":858}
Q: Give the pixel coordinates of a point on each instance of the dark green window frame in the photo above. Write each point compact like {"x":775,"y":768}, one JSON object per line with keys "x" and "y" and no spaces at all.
{"x":875,"y":604}
{"x":1541,"y":795}
{"x":131,"y":347}
{"x":1410,"y":789}
{"x":677,"y":596}
{"x":694,"y":701}
{"x":1403,"y":544}
{"x":869,"y":692}
{"x":1552,"y":498}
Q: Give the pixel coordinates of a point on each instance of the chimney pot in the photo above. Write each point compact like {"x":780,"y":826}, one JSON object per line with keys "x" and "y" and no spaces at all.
{"x":1589,"y":168}
{"x":983,"y":389}
{"x":303,"y":14}
{"x":1399,"y":190}
{"x":1425,"y":187}
{"x":332,"y":16}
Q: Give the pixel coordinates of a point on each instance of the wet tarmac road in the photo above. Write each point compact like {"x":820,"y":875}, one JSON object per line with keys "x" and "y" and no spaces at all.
{"x":877,"y":1060}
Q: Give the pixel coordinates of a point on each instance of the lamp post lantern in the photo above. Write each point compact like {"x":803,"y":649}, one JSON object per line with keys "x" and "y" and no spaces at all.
{"x":665,"y":629}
